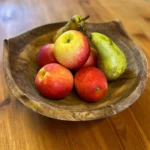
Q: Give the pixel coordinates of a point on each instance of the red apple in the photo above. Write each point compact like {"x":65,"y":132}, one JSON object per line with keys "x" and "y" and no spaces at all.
{"x":92,"y":60}
{"x":90,"y":84}
{"x":72,"y":49}
{"x":46,"y":55}
{"x":54,"y":81}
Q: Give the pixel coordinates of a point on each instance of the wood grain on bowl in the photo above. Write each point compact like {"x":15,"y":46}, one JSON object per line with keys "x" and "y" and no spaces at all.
{"x":20,"y":70}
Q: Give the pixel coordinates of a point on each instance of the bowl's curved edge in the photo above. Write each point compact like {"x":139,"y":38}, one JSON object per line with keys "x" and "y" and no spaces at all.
{"x":62,"y":114}
{"x":144,"y":77}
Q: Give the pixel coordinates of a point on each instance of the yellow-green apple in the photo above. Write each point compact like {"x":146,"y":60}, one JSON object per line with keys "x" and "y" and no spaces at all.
{"x":72,"y":49}
{"x":54,"y":81}
{"x":46,"y":55}
{"x":92,"y":60}
{"x":90,"y":84}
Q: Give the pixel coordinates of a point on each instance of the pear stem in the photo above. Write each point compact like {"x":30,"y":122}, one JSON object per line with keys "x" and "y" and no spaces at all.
{"x":85,"y":18}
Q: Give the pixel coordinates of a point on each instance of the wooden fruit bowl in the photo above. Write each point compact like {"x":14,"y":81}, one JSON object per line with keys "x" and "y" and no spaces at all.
{"x":19,"y":62}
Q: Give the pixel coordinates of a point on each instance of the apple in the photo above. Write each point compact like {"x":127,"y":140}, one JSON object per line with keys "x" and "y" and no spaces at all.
{"x":54,"y":81}
{"x":92,"y":60}
{"x":72,"y":49}
{"x":46,"y":55}
{"x":90,"y":83}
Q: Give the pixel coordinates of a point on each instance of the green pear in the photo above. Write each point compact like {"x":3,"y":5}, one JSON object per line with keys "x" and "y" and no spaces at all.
{"x":76,"y":22}
{"x":111,"y":59}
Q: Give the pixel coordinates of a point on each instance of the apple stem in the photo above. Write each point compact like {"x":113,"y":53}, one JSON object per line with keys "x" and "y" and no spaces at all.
{"x":85,"y":18}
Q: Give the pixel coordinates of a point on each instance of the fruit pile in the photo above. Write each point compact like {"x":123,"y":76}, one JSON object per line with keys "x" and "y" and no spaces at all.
{"x":77,"y":58}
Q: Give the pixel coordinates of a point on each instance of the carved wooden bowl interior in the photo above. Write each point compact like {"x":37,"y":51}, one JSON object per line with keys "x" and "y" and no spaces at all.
{"x":19,"y":62}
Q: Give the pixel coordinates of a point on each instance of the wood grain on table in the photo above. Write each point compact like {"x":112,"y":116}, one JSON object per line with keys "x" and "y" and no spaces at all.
{"x":22,"y":129}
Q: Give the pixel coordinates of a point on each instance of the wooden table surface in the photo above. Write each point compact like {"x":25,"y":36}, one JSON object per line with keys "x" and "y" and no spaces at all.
{"x":22,"y":129}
